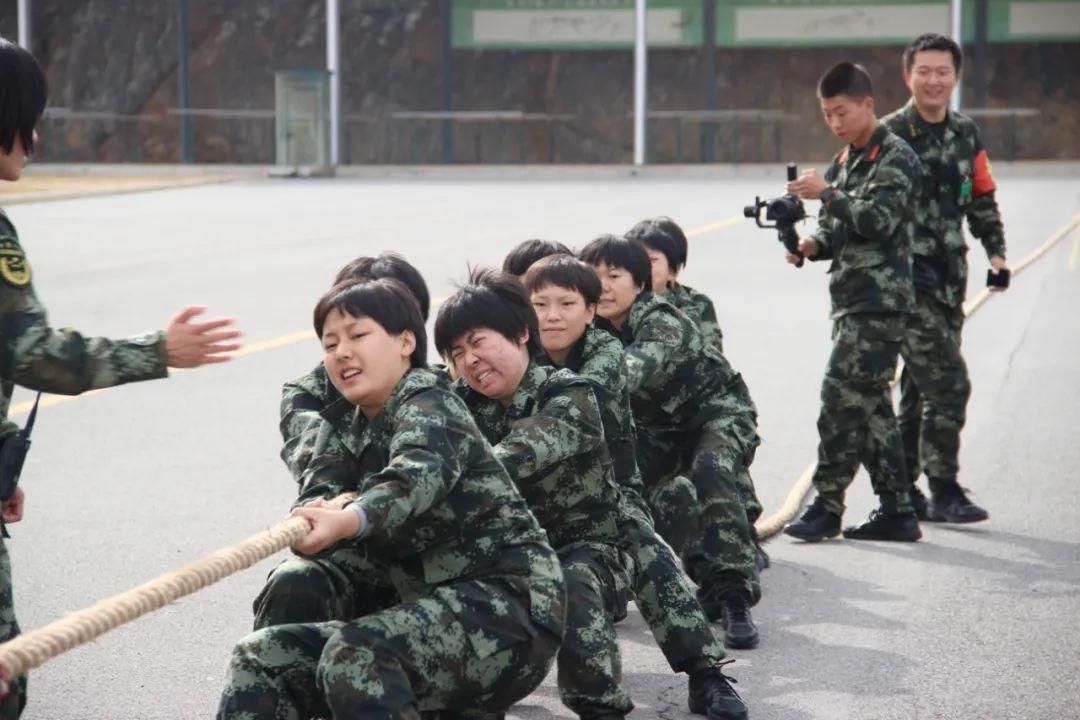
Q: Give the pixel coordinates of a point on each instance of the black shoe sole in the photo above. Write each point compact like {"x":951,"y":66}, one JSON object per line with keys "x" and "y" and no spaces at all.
{"x":696,"y":709}
{"x":741,"y":643}
{"x":935,"y":516}
{"x":881,"y":538}
{"x":809,"y":537}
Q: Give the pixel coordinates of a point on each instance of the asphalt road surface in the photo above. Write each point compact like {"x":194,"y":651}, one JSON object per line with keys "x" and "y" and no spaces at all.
{"x":974,"y":622}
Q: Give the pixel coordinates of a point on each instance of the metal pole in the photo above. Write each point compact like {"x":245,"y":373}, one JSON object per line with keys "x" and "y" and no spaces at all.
{"x":640,"y":82}
{"x":447,"y":81}
{"x":24,"y":24}
{"x":708,"y":130}
{"x":957,"y":36}
{"x":981,"y":31}
{"x":333,"y":67}
{"x":184,"y":103}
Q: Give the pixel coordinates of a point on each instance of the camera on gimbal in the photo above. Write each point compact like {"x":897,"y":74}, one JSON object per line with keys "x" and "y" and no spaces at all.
{"x":784,"y":212}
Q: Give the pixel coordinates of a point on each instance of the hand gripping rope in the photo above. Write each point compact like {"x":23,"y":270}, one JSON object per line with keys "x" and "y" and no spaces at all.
{"x":36,"y":647}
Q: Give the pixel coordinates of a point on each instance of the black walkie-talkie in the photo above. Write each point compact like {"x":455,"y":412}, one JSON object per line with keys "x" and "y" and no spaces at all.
{"x":13,"y":454}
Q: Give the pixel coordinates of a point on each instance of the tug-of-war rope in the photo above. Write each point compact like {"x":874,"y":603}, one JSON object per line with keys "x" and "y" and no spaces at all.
{"x":34,"y":648}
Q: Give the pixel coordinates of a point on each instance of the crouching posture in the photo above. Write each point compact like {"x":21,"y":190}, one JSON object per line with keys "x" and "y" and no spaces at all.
{"x":482,"y":599}
{"x":564,"y":293}
{"x":694,"y":419}
{"x":546,"y":428}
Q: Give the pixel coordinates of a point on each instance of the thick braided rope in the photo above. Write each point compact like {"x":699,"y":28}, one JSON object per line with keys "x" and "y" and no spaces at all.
{"x":769,"y":526}
{"x":34,"y":648}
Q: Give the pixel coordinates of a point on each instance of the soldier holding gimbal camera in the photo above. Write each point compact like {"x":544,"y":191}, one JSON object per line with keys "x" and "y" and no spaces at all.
{"x":864,"y":229}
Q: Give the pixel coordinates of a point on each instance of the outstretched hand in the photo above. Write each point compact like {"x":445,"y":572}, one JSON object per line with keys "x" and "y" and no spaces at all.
{"x":189,"y":344}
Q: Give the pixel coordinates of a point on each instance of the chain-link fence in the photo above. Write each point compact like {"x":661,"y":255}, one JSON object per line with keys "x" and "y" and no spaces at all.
{"x":529,"y":81}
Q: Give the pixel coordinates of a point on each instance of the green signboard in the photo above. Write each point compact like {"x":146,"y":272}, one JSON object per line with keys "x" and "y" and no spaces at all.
{"x":573,"y":24}
{"x":886,"y":22}
{"x":609,"y":24}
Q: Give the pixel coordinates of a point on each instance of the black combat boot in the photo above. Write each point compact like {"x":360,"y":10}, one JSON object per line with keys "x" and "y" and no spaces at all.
{"x":921,"y":505}
{"x":949,"y":503}
{"x":816,"y":524}
{"x":711,"y":695}
{"x":887,"y":523}
{"x":739,"y":629}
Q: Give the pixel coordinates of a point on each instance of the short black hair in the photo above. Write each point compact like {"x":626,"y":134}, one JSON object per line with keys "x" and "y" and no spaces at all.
{"x":386,"y":301}
{"x":672,"y":228}
{"x":933,"y":41}
{"x":490,"y":299}
{"x":848,"y":79}
{"x":564,"y":271}
{"x":619,"y":252}
{"x":518,"y":260}
{"x":23,"y":93}
{"x":388,"y":265}
{"x":650,"y":234}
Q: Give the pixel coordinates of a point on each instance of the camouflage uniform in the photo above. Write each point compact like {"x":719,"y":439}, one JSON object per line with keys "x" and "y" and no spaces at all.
{"x":38,"y":357}
{"x":680,"y":491}
{"x":482,"y":596}
{"x":698,"y":307}
{"x":694,"y":419}
{"x":551,"y":439}
{"x":865,"y":230}
{"x":314,"y":421}
{"x":660,"y":588}
{"x":303,"y":402}
{"x":956,"y":183}
{"x":339,"y":586}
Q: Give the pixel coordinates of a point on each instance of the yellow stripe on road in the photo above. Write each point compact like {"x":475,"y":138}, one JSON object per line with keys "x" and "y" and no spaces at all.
{"x":718,"y":225}
{"x":306,"y":335}
{"x":275,"y":343}
{"x":1075,"y":254}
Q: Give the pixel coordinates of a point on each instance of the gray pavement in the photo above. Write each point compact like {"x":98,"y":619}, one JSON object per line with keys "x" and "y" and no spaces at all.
{"x":974,"y":622}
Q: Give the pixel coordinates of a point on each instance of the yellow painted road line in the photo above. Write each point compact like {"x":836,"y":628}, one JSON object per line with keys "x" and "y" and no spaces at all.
{"x":275,"y":343}
{"x":718,"y":225}
{"x":1075,"y":254}
{"x":306,"y":335}
{"x":771,"y":525}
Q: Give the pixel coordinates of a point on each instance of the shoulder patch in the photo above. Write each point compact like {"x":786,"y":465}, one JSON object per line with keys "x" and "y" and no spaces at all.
{"x":14,"y":269}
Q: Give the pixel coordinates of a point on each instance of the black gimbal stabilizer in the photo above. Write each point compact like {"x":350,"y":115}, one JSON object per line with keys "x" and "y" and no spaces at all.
{"x":784,"y":211}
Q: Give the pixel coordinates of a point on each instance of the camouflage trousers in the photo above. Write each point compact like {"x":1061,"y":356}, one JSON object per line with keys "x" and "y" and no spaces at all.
{"x":692,"y":479}
{"x":302,"y":590}
{"x":856,"y":405}
{"x":470,"y":648}
{"x":589,"y":662}
{"x":668,"y":605}
{"x":13,"y":703}
{"x":934,"y":390}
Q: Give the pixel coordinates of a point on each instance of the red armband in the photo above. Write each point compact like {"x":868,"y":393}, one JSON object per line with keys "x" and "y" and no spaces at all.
{"x":983,"y":181}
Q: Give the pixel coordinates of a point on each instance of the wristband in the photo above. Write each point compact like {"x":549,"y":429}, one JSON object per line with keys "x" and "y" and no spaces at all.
{"x":362,"y":516}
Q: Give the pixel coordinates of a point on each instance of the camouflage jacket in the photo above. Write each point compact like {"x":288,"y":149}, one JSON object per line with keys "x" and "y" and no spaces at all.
{"x":440,"y":506}
{"x":676,"y":380}
{"x":866,"y":228}
{"x":306,"y":403}
{"x":698,"y":307}
{"x":597,"y":356}
{"x":38,"y":357}
{"x":303,"y":404}
{"x":956,"y":182}
{"x":551,"y":440}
